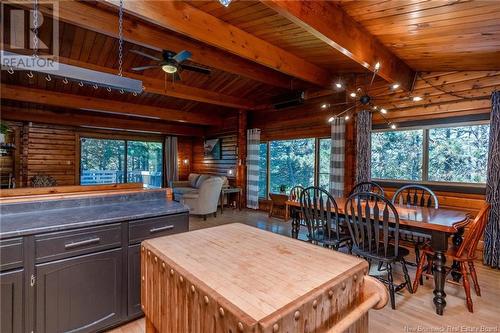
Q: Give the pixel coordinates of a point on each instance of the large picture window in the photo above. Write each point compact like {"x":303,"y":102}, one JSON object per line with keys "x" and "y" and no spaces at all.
{"x":263,"y":170}
{"x":451,"y":154}
{"x":109,"y":161}
{"x":325,"y":152}
{"x":291,"y":162}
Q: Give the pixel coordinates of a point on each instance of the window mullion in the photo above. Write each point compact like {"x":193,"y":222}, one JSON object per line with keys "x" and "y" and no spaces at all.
{"x":425,"y":155}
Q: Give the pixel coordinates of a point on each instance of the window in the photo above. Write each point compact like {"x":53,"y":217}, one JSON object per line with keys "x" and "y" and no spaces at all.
{"x":144,"y":163}
{"x":109,"y":161}
{"x":263,"y":170}
{"x":458,"y":154}
{"x":102,"y":161}
{"x":397,"y":155}
{"x":325,"y":152}
{"x":452,"y":154}
{"x":291,"y":163}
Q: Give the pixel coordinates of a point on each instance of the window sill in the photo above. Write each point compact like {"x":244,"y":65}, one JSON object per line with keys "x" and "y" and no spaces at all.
{"x":436,"y":186}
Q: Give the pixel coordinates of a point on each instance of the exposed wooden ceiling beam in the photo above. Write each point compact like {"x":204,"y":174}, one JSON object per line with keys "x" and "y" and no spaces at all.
{"x":91,"y":17}
{"x":328,"y":22}
{"x":80,"y":102}
{"x":184,"y":19}
{"x":167,"y":88}
{"x":77,"y":118}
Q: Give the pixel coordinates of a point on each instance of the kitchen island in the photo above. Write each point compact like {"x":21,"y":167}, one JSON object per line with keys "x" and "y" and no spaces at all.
{"x":73,"y":263}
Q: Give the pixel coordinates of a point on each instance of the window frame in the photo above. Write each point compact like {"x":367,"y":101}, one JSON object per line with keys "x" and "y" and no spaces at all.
{"x":467,"y":187}
{"x":126,"y":139}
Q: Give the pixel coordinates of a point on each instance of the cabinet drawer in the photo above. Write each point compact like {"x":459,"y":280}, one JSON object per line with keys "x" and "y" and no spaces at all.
{"x":11,"y":253}
{"x":65,"y":244}
{"x":140,"y":230}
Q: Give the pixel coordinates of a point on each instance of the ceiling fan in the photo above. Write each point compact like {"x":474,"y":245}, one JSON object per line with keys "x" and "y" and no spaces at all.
{"x":171,"y":63}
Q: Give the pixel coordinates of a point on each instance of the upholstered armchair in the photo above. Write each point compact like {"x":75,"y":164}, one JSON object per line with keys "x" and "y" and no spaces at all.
{"x":205,"y":201}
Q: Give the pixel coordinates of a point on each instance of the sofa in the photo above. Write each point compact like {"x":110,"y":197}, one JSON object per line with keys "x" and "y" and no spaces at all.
{"x":201,"y":192}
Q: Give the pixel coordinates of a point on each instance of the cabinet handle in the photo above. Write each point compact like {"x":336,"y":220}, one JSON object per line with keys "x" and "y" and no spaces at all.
{"x":167,"y":227}
{"x":82,"y":243}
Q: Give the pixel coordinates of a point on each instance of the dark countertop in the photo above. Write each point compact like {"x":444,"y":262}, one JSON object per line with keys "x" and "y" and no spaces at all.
{"x":38,"y":217}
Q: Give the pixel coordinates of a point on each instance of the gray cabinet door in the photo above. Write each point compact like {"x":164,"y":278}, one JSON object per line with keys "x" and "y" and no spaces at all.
{"x":134,"y":281}
{"x":11,"y":301}
{"x":81,"y":294}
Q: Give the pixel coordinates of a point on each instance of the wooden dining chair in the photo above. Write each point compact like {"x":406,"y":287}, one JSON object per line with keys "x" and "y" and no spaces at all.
{"x":415,"y":195}
{"x":368,"y":187}
{"x":369,"y":216}
{"x":463,"y":254}
{"x":294,"y":212}
{"x":321,"y":215}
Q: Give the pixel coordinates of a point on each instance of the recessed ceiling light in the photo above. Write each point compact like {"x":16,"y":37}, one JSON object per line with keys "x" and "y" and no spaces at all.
{"x":324,"y":106}
{"x":377,"y":66}
{"x":384,"y":111}
{"x":375,"y":107}
{"x":330,"y":119}
{"x":395,"y":86}
{"x":338,"y":85}
{"x":353,"y":95}
{"x":393,"y":126}
{"x":347,"y":117}
{"x":417,"y":98}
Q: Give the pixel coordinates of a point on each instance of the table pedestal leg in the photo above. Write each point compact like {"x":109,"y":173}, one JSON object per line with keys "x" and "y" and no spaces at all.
{"x":457,"y":240}
{"x":440,"y":245}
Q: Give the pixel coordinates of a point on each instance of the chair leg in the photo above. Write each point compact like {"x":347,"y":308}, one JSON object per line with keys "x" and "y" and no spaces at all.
{"x":204,"y":217}
{"x":392,"y":292}
{"x":474,"y":278}
{"x":215,"y":214}
{"x":380,"y":264}
{"x":407,"y":276}
{"x":465,"y":279}
{"x":420,"y":268}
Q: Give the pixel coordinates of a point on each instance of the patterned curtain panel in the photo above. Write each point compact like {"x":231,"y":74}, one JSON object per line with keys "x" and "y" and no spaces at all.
{"x":253,"y":142}
{"x":363,"y":142}
{"x":491,"y":255}
{"x":171,"y":160}
{"x":337,"y":159}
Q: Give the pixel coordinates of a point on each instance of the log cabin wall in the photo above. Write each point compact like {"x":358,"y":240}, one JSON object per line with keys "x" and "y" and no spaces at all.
{"x":54,"y":150}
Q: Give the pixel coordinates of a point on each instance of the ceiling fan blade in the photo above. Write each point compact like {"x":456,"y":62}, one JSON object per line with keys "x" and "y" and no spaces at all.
{"x":182,"y":56}
{"x":196,"y":69}
{"x":141,"y":68}
{"x":145,"y":55}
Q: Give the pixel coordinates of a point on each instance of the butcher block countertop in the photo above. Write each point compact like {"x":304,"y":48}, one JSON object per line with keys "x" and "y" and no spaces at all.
{"x":257,"y":278}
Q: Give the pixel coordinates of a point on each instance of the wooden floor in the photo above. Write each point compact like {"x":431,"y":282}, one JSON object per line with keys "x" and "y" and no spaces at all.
{"x":414,"y":313}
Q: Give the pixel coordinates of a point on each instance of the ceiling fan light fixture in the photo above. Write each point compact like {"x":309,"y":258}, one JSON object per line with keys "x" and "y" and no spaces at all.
{"x":353,"y":95}
{"x":416,"y":98}
{"x":384,"y":111}
{"x":338,"y":85}
{"x":170,"y":69}
{"x":395,"y":86}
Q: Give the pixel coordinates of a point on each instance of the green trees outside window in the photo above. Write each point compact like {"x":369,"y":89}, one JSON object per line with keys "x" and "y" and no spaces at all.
{"x":108,"y":161}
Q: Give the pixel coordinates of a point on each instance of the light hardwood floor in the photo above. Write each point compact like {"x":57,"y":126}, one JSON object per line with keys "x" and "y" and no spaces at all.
{"x":414,"y":313}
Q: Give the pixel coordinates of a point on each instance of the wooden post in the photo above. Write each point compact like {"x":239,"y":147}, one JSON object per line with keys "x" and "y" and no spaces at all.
{"x":241,"y":173}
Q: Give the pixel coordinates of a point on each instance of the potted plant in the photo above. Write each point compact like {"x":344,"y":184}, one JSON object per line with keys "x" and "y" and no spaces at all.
{"x":4,"y":129}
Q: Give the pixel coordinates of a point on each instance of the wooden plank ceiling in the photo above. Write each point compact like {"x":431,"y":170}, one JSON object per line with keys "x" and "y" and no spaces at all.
{"x":426,"y":35}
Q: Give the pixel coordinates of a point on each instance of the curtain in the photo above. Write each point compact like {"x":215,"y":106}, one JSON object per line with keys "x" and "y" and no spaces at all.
{"x":363,"y":142}
{"x":491,"y":256}
{"x":171,"y":160}
{"x":253,"y":142}
{"x":337,"y":158}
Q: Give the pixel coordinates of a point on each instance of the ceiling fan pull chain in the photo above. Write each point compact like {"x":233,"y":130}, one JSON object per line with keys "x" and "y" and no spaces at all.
{"x":120,"y":39}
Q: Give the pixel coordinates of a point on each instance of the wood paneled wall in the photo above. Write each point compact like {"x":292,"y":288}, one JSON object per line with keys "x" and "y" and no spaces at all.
{"x":185,"y":153}
{"x":202,"y":164}
{"x":54,"y":150}
{"x":470,"y":94}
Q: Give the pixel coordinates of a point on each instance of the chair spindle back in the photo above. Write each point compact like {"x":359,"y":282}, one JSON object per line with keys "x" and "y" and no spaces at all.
{"x":295,"y":193}
{"x":368,"y":216}
{"x":320,"y":212}
{"x":415,"y":195}
{"x":368,"y":187}
{"x":476,"y":229}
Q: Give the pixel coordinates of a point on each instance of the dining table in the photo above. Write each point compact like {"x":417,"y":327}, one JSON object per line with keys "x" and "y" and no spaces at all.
{"x":438,"y":223}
